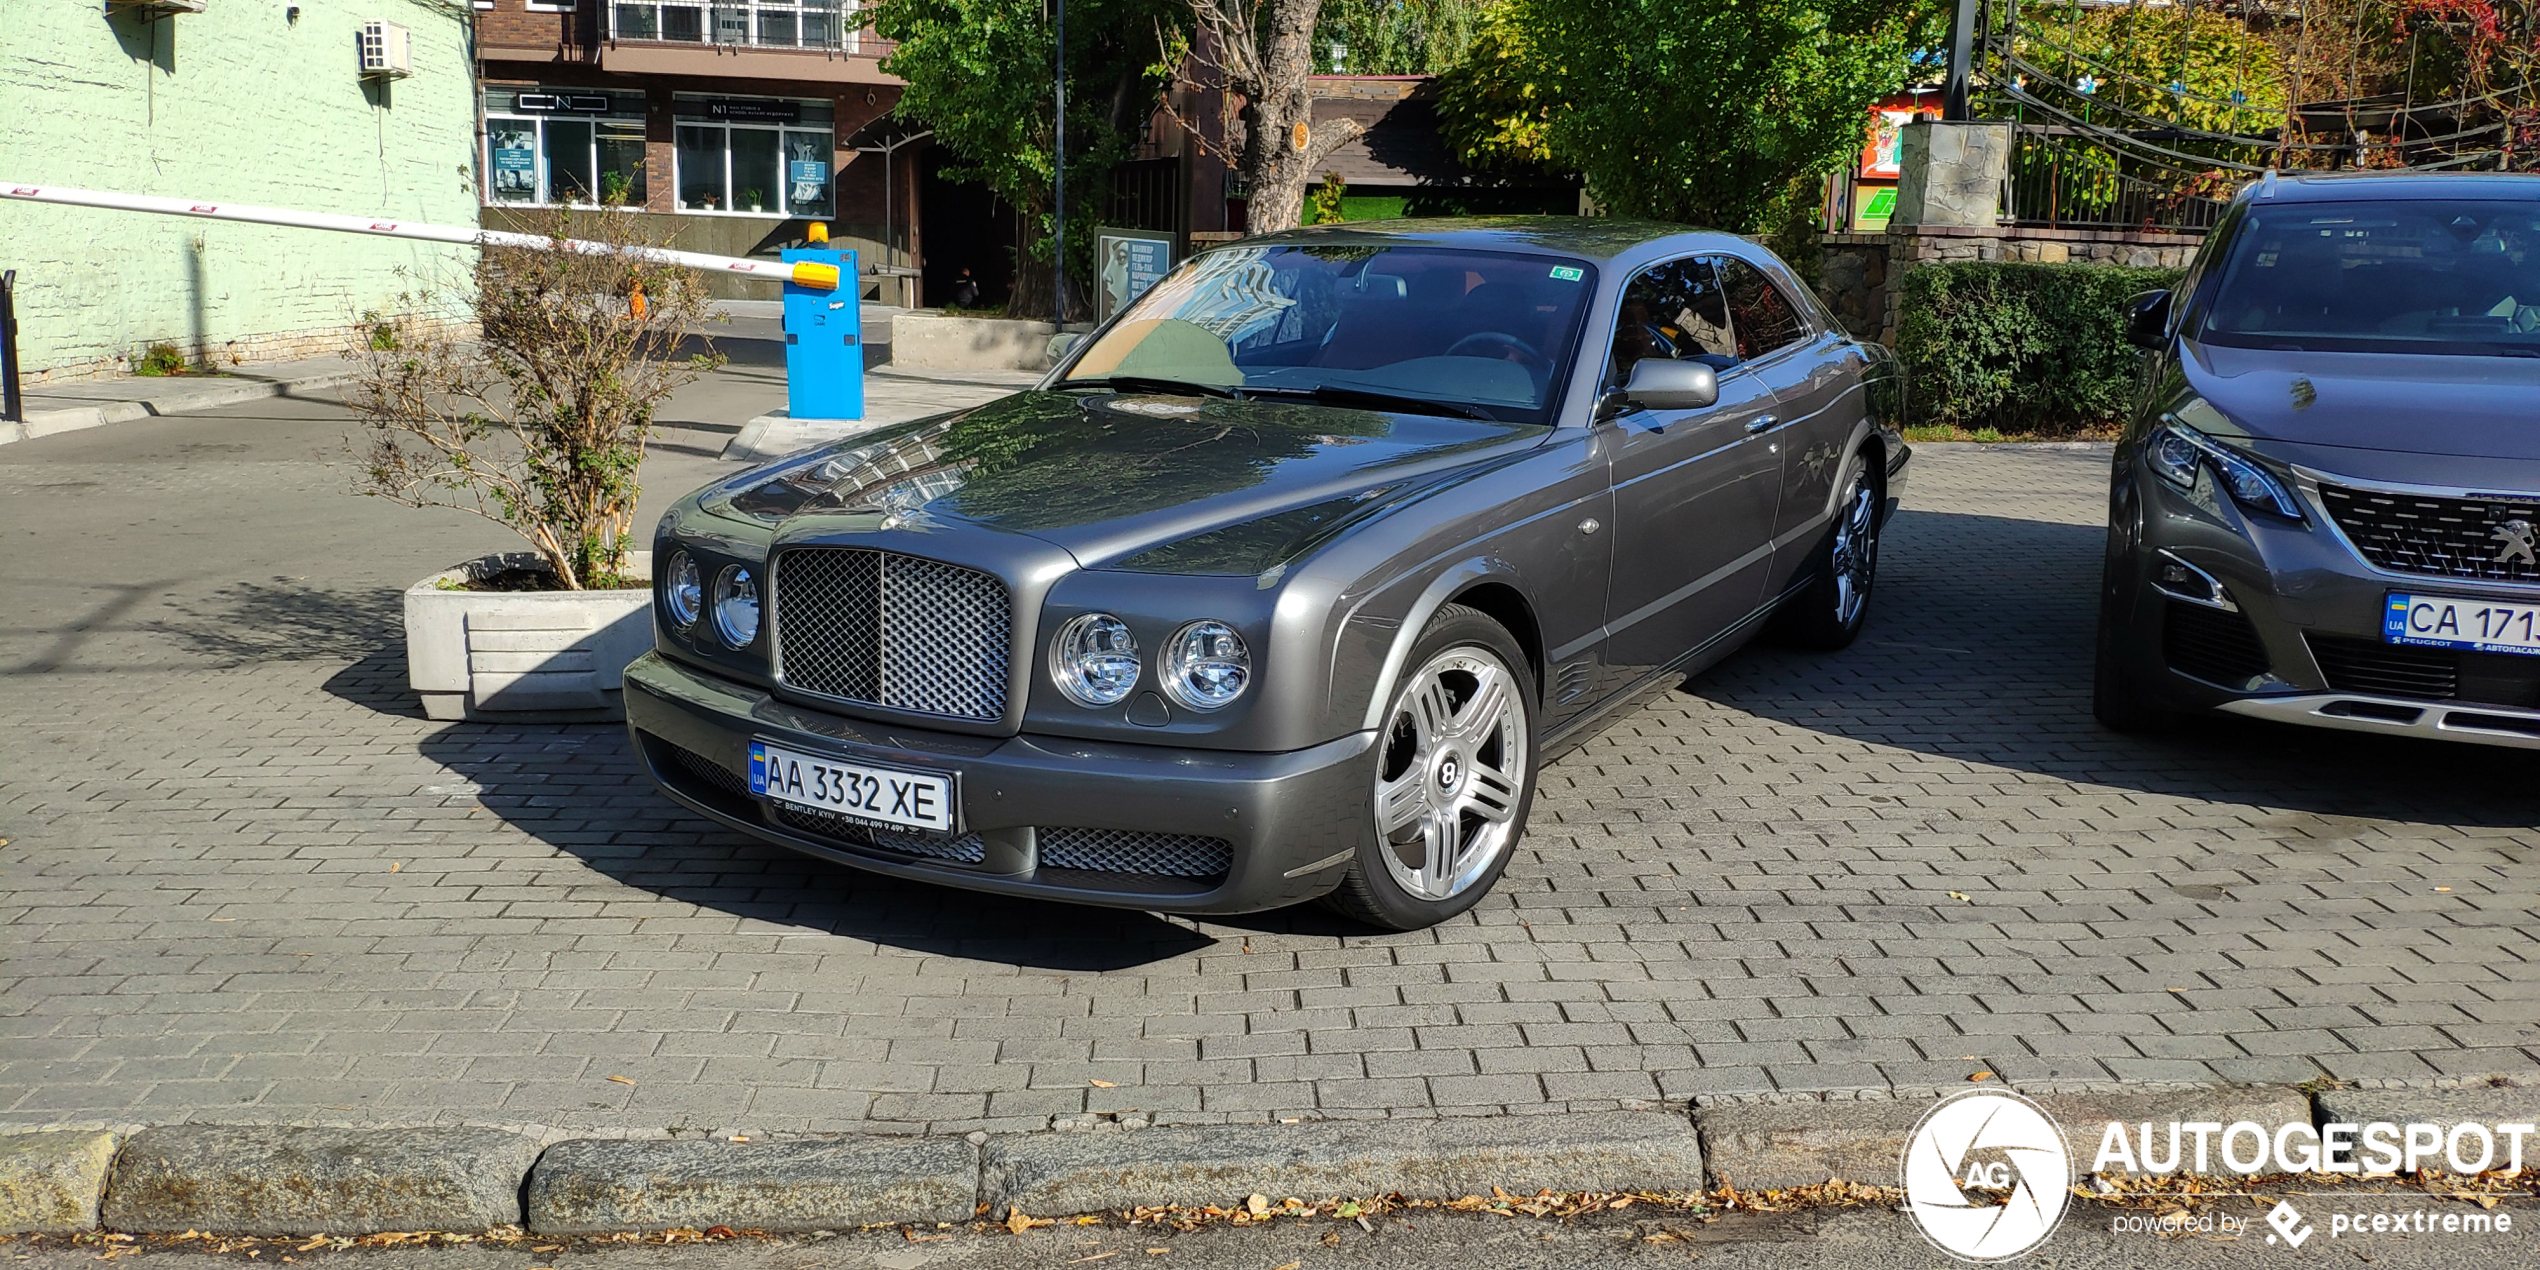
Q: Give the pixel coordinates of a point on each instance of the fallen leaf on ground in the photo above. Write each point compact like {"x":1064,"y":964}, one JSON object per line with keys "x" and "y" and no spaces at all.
{"x":398,"y":865}
{"x":1981,"y":1076}
{"x":1104,"y":1084}
{"x":1018,"y":1223}
{"x":1960,"y":895}
{"x":621,"y":1080}
{"x":1257,"y":1205}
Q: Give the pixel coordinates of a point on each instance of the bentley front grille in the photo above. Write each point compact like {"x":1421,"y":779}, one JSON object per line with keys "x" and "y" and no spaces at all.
{"x":2492,"y":538}
{"x":896,"y":631}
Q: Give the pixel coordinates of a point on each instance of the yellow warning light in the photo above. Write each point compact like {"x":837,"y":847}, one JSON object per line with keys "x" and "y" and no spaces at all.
{"x":818,"y":233}
{"x":818,"y":277}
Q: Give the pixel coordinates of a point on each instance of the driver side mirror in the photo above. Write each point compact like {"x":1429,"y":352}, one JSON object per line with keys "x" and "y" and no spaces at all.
{"x":2147,"y":323}
{"x":1660,"y":384}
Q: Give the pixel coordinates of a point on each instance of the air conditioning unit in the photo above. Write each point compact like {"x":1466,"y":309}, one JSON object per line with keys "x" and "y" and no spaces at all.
{"x":386,"y":51}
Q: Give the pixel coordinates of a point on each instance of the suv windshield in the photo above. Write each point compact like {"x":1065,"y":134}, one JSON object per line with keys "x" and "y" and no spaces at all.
{"x":2384,"y":277}
{"x":1477,"y":333}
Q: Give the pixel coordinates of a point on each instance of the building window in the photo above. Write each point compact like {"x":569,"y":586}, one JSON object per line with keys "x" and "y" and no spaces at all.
{"x":754,"y":156}
{"x":810,"y":24}
{"x":544,"y":147}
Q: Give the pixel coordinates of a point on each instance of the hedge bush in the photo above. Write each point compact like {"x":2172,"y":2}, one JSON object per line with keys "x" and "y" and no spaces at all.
{"x":2020,"y":347}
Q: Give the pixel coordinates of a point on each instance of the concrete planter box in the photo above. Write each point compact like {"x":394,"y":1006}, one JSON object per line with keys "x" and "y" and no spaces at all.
{"x":943,"y":342}
{"x":525,"y":656}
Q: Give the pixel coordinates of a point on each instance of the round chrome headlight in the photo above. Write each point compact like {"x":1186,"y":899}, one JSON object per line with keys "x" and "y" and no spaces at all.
{"x":1206,"y":665}
{"x":1095,"y":660}
{"x":683,"y":592}
{"x":736,"y":607}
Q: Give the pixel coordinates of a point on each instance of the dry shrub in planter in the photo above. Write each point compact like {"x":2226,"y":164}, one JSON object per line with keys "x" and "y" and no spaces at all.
{"x":539,"y":422}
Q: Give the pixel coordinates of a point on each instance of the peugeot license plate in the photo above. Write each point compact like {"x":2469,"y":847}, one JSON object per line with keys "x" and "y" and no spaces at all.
{"x":2436,"y":621}
{"x":891,"y":796}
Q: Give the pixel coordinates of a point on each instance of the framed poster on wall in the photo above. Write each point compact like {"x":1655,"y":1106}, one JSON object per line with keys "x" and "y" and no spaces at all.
{"x":1126,"y":263}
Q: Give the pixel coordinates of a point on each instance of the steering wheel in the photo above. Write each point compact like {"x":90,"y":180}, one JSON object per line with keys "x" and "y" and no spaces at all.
{"x":1498,"y":344}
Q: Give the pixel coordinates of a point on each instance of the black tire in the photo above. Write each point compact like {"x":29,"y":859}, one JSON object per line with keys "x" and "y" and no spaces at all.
{"x":2116,"y":700}
{"x":1829,"y":613}
{"x":1412,"y":753}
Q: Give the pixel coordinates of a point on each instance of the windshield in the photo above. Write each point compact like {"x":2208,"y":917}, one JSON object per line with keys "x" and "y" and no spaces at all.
{"x":1477,"y":333}
{"x":2385,"y":277}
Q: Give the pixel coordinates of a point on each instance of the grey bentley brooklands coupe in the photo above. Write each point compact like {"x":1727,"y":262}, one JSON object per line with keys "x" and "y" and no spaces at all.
{"x":1285,"y":582}
{"x":2327,"y":508}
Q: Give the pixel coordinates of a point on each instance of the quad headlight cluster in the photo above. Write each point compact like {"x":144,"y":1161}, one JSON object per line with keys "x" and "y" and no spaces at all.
{"x":2179,"y":452}
{"x":1096,"y":663}
{"x":734,"y":602}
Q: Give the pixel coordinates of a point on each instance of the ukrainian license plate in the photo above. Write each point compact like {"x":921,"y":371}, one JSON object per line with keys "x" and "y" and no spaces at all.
{"x":2490,"y":626}
{"x":891,"y":796}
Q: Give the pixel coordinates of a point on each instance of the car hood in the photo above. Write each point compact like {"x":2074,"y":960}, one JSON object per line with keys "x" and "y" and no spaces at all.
{"x":1178,"y":484}
{"x":2462,"y":407}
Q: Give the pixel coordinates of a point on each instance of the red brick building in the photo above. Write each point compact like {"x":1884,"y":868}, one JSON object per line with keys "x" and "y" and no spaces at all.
{"x":744,"y":120}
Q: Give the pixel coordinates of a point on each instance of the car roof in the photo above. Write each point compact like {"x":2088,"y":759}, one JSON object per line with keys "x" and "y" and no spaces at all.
{"x":2349,"y":187}
{"x":1592,"y":237}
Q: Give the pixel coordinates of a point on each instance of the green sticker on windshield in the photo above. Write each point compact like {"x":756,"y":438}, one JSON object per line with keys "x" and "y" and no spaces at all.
{"x":1568,"y":273}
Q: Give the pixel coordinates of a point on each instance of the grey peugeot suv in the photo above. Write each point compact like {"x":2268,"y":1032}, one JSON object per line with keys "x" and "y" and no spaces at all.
{"x":2326,"y":507}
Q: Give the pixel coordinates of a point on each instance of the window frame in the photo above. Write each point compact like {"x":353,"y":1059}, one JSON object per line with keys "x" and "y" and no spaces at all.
{"x":1804,"y":328}
{"x":784,"y":188}
{"x":1608,"y":381}
{"x":541,"y":185}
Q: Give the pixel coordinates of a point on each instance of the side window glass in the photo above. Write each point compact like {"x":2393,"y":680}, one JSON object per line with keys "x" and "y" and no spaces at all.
{"x":1673,"y":310}
{"x":1765,"y":319}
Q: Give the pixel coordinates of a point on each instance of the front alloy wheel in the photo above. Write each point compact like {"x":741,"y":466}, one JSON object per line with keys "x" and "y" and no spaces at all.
{"x":1454,"y":776}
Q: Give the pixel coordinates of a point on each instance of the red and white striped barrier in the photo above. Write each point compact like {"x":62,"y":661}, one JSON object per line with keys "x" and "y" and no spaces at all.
{"x":818,"y":277}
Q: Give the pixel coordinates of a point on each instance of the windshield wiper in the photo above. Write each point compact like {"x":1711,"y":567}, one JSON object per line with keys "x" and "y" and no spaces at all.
{"x":1150,"y":383}
{"x":1368,"y":397}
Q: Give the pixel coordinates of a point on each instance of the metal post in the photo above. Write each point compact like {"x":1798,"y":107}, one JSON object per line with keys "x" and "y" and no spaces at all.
{"x":1962,"y":41}
{"x":1060,"y":201}
{"x":12,"y":407}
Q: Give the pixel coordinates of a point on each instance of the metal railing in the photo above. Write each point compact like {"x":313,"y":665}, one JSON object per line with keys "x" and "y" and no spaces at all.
{"x":2063,"y":181}
{"x":833,"y":25}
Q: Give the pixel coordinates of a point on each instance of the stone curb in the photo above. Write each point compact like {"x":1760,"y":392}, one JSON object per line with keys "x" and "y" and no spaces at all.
{"x":45,"y":423}
{"x":265,"y":1179}
{"x":51,"y":1183}
{"x":1196,"y":1166}
{"x":593,"y":1187}
{"x":283,"y":1181}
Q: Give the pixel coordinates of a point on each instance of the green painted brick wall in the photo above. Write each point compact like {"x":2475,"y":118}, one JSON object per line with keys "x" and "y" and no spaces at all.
{"x":239,"y":103}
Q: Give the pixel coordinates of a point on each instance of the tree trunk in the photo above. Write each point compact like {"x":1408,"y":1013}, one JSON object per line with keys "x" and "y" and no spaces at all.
{"x":1267,"y":64}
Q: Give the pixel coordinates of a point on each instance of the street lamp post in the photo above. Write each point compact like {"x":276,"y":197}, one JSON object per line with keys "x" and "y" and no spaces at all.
{"x":1060,"y":200}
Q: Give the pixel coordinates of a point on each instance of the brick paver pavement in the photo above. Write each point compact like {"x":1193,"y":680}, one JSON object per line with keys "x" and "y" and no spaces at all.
{"x":246,"y":881}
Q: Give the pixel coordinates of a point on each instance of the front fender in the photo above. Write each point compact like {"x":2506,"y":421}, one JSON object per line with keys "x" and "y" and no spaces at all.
{"x":1364,"y":629}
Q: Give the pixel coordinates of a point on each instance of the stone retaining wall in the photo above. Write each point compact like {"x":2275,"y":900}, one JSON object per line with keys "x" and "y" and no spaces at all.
{"x":1859,"y":272}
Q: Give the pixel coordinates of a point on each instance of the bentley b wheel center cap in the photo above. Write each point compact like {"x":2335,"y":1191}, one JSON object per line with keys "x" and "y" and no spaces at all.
{"x":1450,"y":771}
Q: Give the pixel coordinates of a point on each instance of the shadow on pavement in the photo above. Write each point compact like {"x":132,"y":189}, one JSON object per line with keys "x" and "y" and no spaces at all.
{"x":1979,"y":649}
{"x":580,"y":789}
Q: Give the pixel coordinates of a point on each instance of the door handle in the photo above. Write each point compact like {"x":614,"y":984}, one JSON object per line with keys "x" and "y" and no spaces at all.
{"x":1760,"y":422}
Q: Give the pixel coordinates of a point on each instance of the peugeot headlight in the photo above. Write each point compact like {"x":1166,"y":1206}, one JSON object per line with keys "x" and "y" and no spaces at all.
{"x":736,"y":607}
{"x":1095,"y":660}
{"x":683,"y":592}
{"x":1206,"y":665}
{"x":2178,"y":451}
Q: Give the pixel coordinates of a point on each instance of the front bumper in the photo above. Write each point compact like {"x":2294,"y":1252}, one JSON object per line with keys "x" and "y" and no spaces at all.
{"x":1283,"y":826}
{"x":2299,"y":637}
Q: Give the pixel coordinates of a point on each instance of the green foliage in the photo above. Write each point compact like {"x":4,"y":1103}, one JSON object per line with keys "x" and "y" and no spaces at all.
{"x":2136,"y":54}
{"x":980,"y":73}
{"x":1490,"y":112}
{"x":1706,"y":113}
{"x":2020,"y":347}
{"x":1397,"y":37}
{"x":160,"y":359}
{"x":1324,"y":204}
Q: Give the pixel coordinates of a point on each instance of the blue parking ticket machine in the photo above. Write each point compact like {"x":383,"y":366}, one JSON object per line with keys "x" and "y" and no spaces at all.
{"x":824,"y":356}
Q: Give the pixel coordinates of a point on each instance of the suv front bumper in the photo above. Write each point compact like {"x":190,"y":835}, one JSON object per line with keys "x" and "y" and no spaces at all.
{"x":1284,"y":825}
{"x":2310,"y":610}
